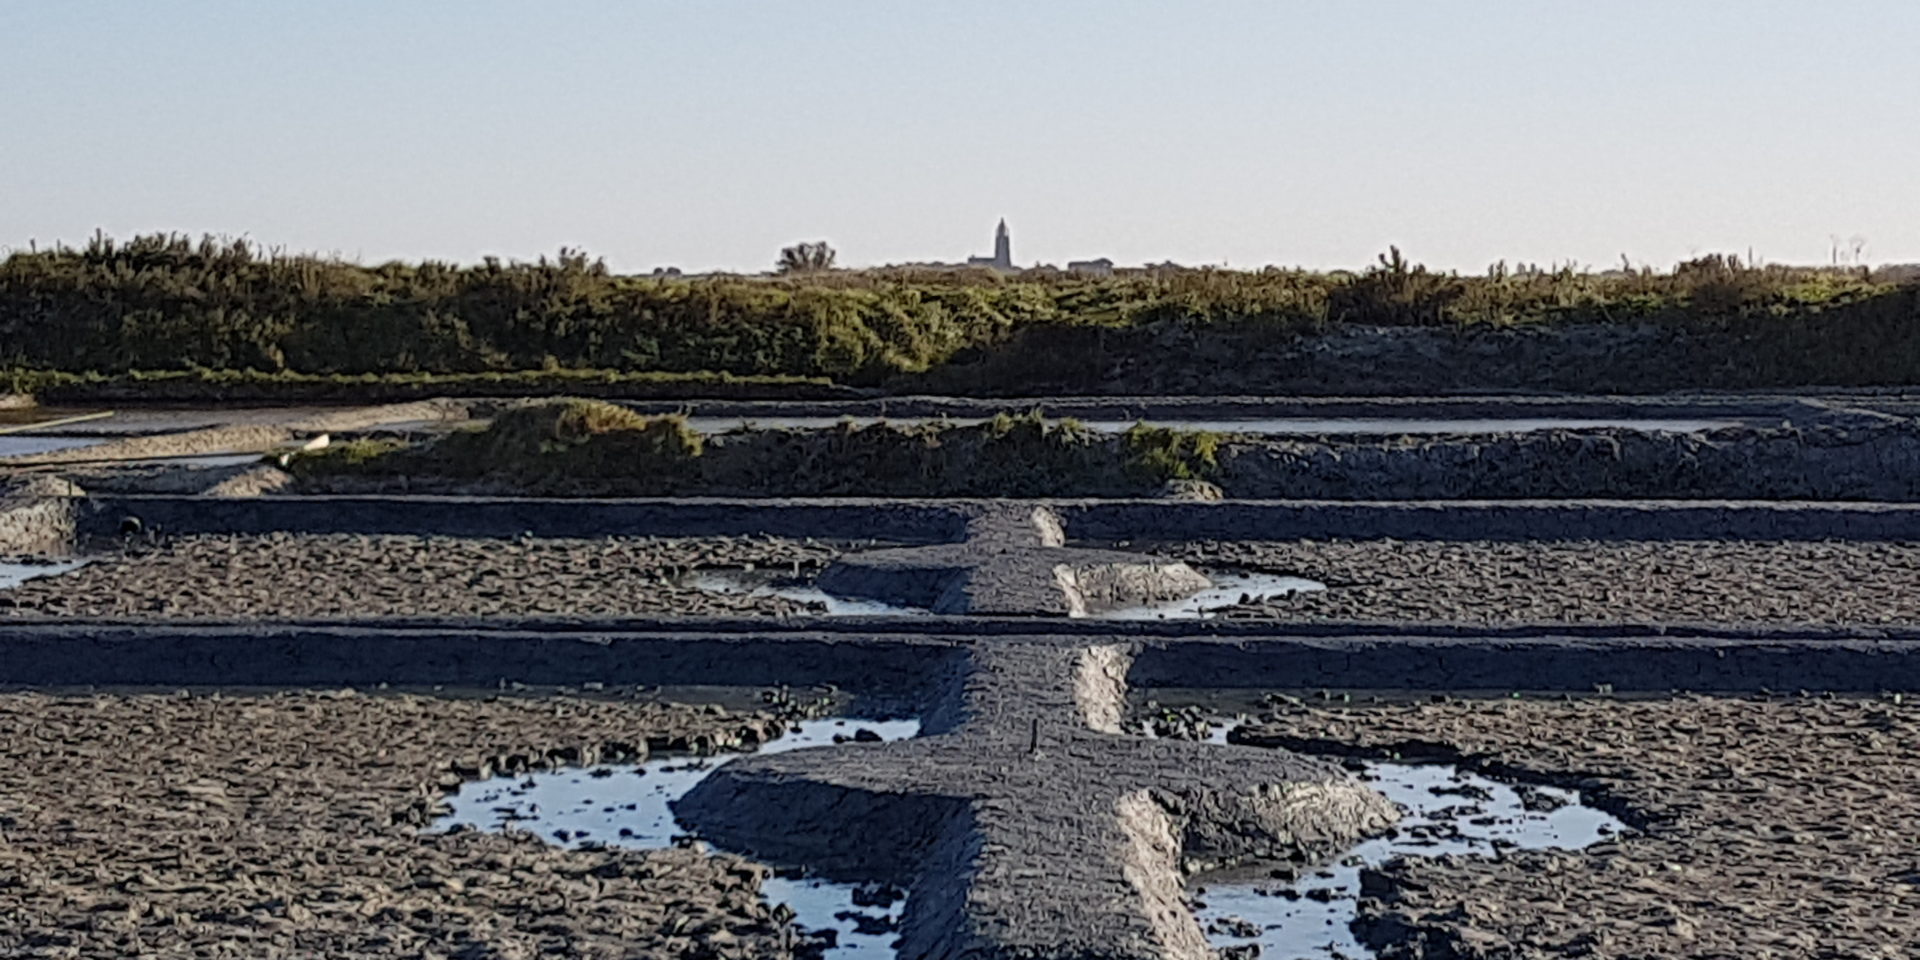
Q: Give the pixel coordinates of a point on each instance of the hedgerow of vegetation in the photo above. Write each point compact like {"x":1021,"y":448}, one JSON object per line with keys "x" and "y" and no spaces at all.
{"x":170,"y":303}
{"x":592,"y":447}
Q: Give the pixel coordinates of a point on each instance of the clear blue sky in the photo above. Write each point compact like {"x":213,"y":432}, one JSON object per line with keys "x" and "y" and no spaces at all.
{"x":709,"y":133}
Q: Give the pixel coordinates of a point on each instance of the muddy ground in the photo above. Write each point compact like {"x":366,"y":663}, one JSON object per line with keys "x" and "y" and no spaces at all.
{"x":1834,"y":582}
{"x":337,"y":575}
{"x":290,"y":825}
{"x":1777,"y":829}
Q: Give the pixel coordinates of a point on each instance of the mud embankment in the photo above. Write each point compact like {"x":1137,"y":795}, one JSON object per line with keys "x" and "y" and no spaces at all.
{"x":1860,"y":457}
{"x":1865,"y":460}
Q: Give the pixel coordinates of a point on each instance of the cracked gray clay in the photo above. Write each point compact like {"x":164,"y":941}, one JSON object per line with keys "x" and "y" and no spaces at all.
{"x":1024,"y":824}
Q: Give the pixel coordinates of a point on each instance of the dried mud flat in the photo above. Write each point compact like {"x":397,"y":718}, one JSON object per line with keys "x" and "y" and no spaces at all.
{"x":370,"y":576}
{"x":1830,"y":582}
{"x":290,"y":825}
{"x":1827,"y":582}
{"x":1778,"y":828}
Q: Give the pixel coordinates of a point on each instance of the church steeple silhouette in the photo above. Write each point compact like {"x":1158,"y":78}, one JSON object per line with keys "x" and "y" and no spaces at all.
{"x":1002,"y":258}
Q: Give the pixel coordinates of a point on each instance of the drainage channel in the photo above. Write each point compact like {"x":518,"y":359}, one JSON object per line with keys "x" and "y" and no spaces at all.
{"x":1230,"y":588}
{"x":630,"y":805}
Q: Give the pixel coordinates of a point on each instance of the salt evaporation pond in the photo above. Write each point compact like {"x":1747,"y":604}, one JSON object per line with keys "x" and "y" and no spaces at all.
{"x":1282,"y":426}
{"x":630,"y":805}
{"x":1228,"y":589}
{"x":21,"y":445}
{"x":1446,"y":810}
{"x":15,"y":574}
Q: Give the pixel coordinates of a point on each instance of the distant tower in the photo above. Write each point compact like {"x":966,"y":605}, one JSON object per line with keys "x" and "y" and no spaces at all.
{"x":1002,"y":258}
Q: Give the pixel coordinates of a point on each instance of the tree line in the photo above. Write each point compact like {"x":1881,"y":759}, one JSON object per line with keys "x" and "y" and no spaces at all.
{"x":174,"y":302}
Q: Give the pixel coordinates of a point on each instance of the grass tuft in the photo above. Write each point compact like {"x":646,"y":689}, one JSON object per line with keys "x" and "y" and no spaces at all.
{"x":1165,"y":454}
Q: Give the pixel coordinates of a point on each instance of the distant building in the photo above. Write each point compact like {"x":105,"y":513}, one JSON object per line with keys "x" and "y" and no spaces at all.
{"x":1002,"y":258}
{"x":1091,"y":268}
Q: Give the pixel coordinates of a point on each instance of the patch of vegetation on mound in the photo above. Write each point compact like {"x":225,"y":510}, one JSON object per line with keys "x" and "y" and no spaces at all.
{"x":556,"y":441}
{"x":1163,"y":454}
{"x":349,"y":456}
{"x":590,"y":447}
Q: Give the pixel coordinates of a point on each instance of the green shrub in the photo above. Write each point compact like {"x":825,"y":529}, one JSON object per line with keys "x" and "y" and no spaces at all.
{"x":347,"y":458}
{"x":555,"y":442}
{"x":582,"y":438}
{"x":111,"y":308}
{"x":1162,"y":454}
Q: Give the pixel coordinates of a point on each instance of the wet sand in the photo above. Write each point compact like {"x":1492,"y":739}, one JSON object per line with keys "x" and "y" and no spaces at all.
{"x":1768,"y":828}
{"x":289,"y":825}
{"x":286,"y":575}
{"x":1830,"y":582}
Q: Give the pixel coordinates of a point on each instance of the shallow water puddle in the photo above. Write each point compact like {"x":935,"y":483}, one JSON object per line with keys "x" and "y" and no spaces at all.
{"x":1272,"y":426}
{"x":15,"y":574}
{"x":209,"y":460}
{"x":1229,"y":589}
{"x":755,"y":583}
{"x":19,"y":445}
{"x":1446,"y":811}
{"x":629,"y":805}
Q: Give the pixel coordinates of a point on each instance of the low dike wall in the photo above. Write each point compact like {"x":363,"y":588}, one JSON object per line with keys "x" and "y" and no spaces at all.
{"x":895,"y":658}
{"x":944,"y":520}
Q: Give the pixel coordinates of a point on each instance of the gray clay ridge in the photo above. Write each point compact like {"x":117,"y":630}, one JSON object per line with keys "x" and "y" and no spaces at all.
{"x":1013,"y":561}
{"x":1024,"y":823}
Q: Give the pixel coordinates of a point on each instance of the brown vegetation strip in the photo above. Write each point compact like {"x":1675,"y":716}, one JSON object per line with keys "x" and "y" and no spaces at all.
{"x":1587,"y":581}
{"x":1771,"y":829}
{"x":290,"y":825}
